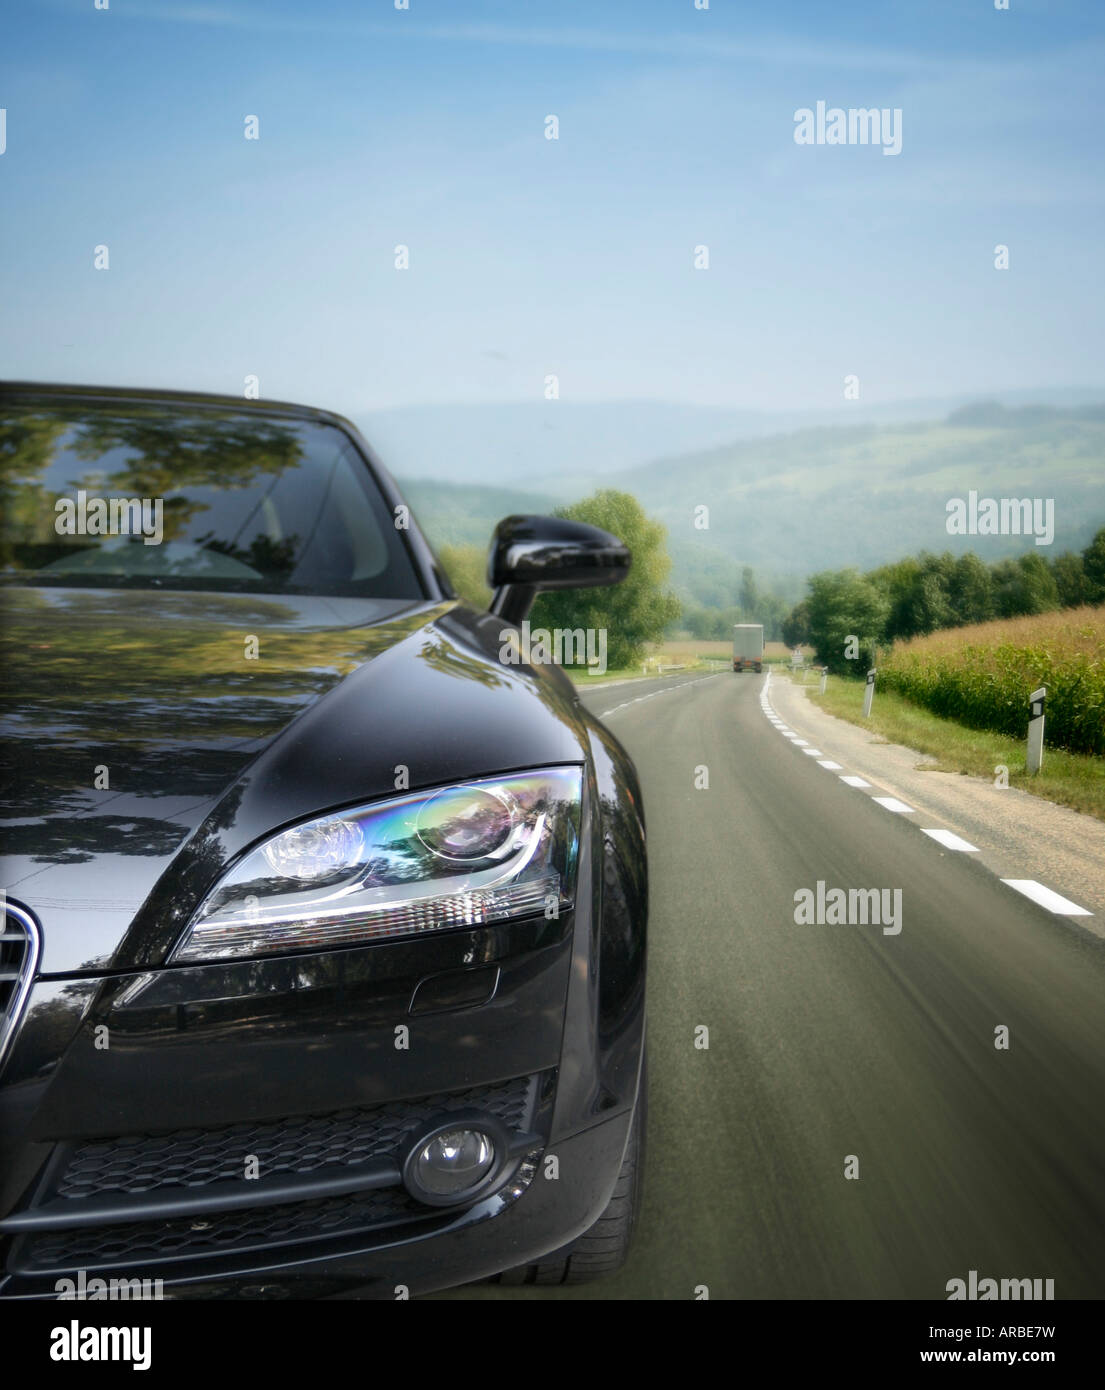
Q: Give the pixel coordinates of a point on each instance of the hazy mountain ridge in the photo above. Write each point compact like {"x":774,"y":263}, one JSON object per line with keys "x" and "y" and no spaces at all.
{"x":548,"y":446}
{"x":824,"y":497}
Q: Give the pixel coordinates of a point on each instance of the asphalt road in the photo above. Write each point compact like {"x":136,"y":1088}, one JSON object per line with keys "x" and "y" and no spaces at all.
{"x":833,"y":1040}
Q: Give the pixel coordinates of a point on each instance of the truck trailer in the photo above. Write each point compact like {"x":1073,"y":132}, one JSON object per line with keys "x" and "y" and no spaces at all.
{"x":748,"y":646}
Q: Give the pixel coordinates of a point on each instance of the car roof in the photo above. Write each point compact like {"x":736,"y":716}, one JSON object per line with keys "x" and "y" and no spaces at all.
{"x":156,"y":393}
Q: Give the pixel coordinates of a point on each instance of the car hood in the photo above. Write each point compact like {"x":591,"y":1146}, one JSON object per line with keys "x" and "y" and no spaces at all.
{"x":151,"y":736}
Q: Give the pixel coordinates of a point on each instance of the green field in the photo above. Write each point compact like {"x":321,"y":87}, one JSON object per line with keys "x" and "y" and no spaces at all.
{"x":981,"y":676}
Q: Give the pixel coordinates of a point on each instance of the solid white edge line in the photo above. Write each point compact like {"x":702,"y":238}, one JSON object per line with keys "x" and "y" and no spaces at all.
{"x":1046,"y":897}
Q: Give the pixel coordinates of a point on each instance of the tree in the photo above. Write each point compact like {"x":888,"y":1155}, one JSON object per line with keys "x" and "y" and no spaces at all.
{"x":844,"y":604}
{"x":1093,"y":565}
{"x":749,"y":596}
{"x":796,"y":625}
{"x":773,"y":613}
{"x":707,"y":624}
{"x":634,"y":612}
{"x":1069,"y":573}
{"x":1024,"y":586}
{"x":898,"y":582}
{"x":1040,"y":588}
{"x":970,"y":591}
{"x":918,"y":593}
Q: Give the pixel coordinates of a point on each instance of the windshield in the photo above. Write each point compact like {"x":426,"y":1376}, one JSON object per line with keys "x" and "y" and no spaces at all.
{"x":161,"y":496}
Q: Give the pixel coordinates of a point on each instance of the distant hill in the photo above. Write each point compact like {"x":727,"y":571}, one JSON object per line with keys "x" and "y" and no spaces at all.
{"x":825,"y":497}
{"x":548,"y":446}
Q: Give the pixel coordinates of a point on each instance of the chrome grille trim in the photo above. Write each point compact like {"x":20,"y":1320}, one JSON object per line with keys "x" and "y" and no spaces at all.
{"x":16,"y":975}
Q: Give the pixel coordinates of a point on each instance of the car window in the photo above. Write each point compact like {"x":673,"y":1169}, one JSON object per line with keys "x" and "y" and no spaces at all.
{"x":177,"y":497}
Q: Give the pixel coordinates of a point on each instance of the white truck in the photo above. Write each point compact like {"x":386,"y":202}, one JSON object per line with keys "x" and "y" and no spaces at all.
{"x":748,"y":646}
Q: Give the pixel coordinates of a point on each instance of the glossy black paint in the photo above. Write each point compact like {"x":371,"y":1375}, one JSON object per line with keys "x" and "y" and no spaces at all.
{"x":531,"y":554}
{"x":349,"y":690}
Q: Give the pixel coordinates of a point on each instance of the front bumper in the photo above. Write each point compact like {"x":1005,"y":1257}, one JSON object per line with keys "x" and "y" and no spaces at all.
{"x":132,"y":1103}
{"x":529,"y":1218}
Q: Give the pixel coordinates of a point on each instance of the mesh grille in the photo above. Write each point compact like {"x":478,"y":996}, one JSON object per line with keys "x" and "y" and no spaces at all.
{"x":195,"y":1158}
{"x":149,"y":1241}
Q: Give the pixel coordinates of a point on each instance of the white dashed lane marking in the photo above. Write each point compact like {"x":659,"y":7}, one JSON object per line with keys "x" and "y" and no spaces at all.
{"x":891,"y":803}
{"x":950,"y":840}
{"x":855,"y":781}
{"x":683,"y":685}
{"x":1046,"y":897}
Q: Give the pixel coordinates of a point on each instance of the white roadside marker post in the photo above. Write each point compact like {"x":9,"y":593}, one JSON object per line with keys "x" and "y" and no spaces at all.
{"x":1035,"y":755}
{"x":869,"y":694}
{"x":824,"y":679}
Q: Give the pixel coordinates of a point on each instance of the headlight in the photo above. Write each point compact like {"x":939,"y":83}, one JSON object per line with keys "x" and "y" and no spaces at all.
{"x":458,"y":857}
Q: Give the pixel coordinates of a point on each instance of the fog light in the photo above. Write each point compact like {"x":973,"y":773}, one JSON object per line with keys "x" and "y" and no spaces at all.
{"x":454,"y":1161}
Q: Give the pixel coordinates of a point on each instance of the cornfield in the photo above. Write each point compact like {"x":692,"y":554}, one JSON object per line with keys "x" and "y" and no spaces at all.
{"x":982,"y":675}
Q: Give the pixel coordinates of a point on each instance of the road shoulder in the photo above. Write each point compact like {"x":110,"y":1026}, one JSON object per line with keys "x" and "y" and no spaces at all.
{"x":1018,"y":835}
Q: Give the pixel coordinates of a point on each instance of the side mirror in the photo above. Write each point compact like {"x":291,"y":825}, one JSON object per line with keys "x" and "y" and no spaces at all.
{"x":534,"y":553}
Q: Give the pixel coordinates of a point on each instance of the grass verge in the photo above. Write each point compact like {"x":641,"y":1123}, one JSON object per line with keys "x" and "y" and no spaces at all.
{"x":1070,"y":779}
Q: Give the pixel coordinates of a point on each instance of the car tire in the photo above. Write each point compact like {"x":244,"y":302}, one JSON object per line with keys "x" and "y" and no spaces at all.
{"x":604,"y":1247}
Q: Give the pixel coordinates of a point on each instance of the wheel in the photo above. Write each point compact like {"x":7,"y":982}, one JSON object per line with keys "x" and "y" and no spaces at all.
{"x":604,"y":1247}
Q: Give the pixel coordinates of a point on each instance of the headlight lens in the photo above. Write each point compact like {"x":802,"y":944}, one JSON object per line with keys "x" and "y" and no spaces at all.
{"x":460,"y":856}
{"x":467,"y":823}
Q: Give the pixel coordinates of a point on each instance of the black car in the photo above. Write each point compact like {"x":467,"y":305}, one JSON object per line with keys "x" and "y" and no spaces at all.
{"x":323,"y":960}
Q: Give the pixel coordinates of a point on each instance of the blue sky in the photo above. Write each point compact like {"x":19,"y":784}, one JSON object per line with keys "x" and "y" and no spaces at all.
{"x":528,"y":256}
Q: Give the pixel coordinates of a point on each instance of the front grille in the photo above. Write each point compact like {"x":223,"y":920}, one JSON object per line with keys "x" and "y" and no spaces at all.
{"x":193,"y":1158}
{"x":19,"y":946}
{"x":143,"y":1242}
{"x":186,"y":1164}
